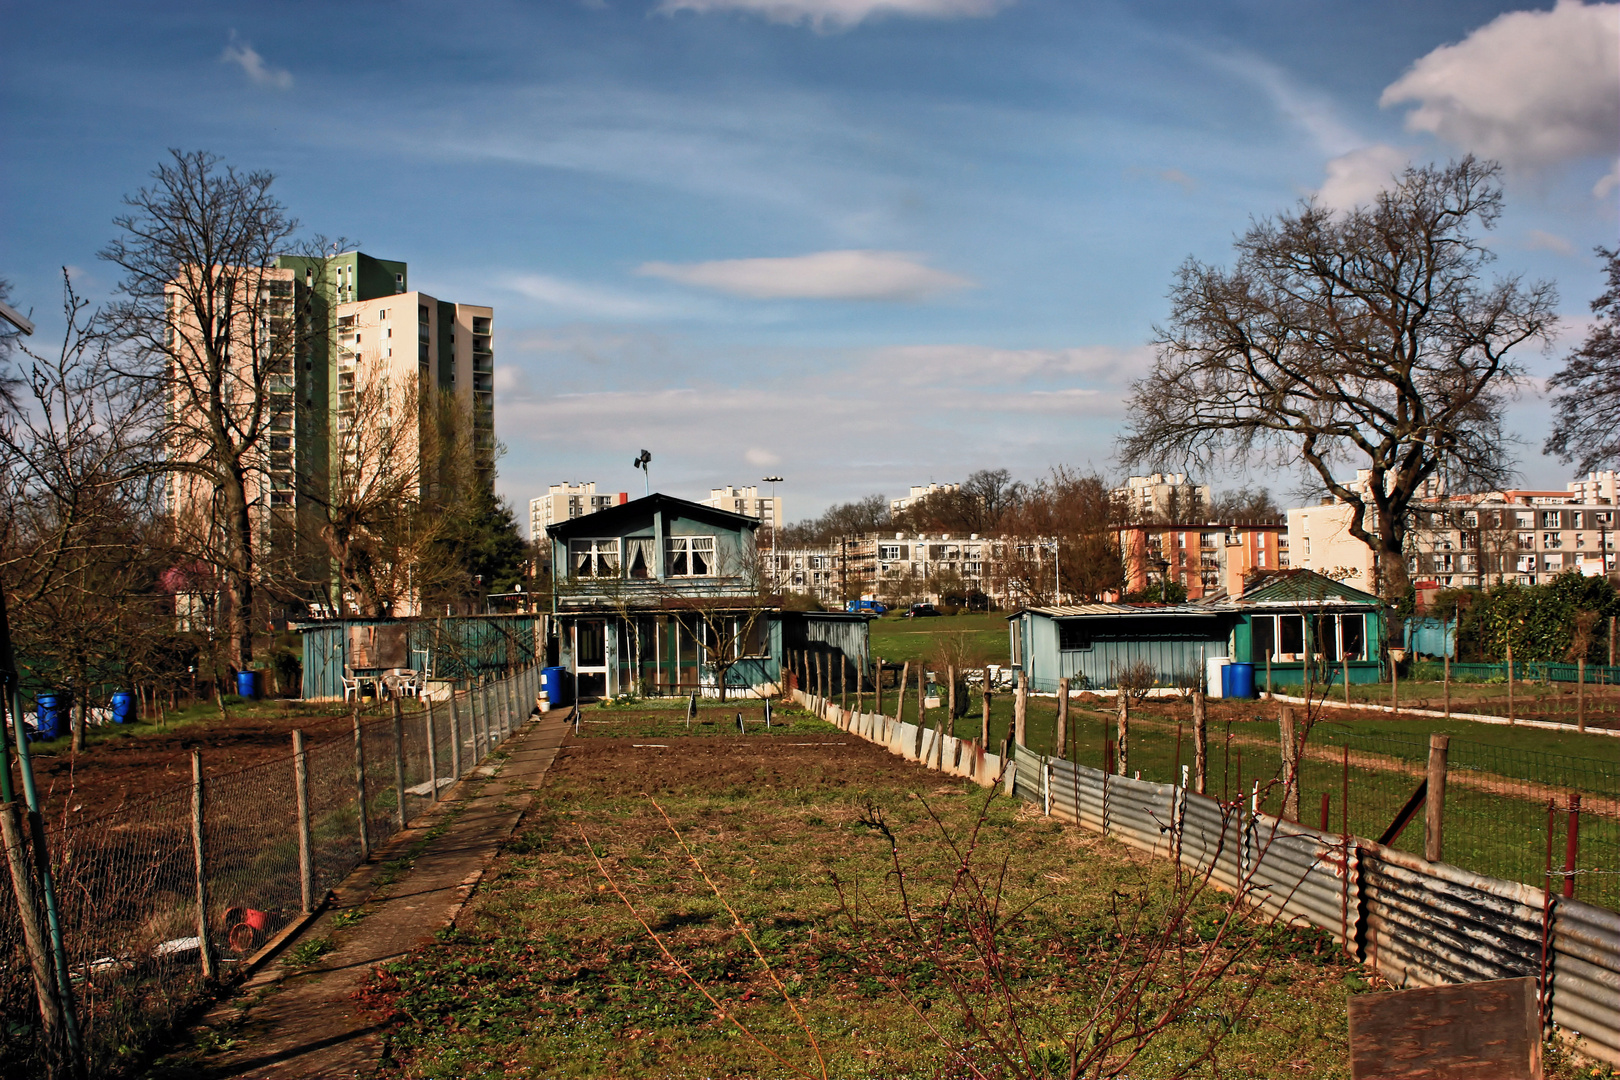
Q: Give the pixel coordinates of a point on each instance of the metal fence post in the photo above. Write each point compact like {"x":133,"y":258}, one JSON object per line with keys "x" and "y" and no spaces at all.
{"x":360,"y":786}
{"x":39,"y":958}
{"x":204,"y":946}
{"x":432,"y":749}
{"x":1434,"y":809}
{"x":399,"y":760}
{"x":306,"y":862}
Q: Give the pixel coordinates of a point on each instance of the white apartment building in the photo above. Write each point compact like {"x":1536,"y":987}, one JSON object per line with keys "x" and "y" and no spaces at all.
{"x":921,"y":491}
{"x":565,"y":501}
{"x":1164,"y":497}
{"x":748,"y":502}
{"x":1475,"y":541}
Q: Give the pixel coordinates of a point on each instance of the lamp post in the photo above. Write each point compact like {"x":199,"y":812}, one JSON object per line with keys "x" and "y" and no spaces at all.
{"x":1164,"y":579}
{"x":773,"y":481}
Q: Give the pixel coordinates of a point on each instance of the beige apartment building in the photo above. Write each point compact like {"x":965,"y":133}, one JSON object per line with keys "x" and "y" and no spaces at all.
{"x":1163,"y":497}
{"x":920,"y":492}
{"x":1475,"y":541}
{"x":748,"y":502}
{"x":385,"y":348}
{"x":565,"y":501}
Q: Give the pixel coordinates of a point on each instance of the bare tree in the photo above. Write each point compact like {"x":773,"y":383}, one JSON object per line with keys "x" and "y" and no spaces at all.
{"x":1588,"y":403}
{"x":1365,"y":338}
{"x":78,"y":539}
{"x":213,"y":321}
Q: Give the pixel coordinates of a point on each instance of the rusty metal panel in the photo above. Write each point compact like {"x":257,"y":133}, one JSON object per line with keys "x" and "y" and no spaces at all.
{"x":1211,"y":840}
{"x":1585,"y":976}
{"x":1299,"y":874}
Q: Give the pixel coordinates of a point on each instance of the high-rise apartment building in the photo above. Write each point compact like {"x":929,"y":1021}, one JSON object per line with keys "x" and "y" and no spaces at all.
{"x":920,"y":492}
{"x":1163,"y":497}
{"x":335,"y":326}
{"x":748,"y":502}
{"x":565,"y":501}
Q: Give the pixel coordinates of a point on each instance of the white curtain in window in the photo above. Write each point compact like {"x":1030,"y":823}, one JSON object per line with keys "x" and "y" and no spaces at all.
{"x":638,"y":556}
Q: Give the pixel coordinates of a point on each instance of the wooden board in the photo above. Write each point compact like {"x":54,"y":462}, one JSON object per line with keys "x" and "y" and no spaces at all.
{"x":1475,"y":1031}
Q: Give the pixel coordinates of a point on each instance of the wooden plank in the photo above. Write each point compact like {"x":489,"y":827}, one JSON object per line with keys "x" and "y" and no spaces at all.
{"x":1475,"y":1031}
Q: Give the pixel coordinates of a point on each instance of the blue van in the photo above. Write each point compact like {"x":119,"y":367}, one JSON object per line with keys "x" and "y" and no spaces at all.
{"x":865,"y":607}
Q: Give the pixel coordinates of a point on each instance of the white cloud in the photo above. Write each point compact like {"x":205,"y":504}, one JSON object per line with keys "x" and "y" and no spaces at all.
{"x":1180,"y":179}
{"x":1356,"y":178}
{"x":1530,"y":88}
{"x":824,"y":275}
{"x":248,"y":59}
{"x":1606,"y":185}
{"x":839,"y":14}
{"x":1547,"y":241}
{"x":582,"y":300}
{"x":757,"y":455}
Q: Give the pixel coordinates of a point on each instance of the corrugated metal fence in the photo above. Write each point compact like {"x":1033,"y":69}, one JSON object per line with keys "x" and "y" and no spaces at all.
{"x":1415,"y":922}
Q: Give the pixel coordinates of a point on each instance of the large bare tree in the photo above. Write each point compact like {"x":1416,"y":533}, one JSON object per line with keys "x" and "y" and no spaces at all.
{"x":1364,"y":339}
{"x":214,"y":321}
{"x":1587,"y":405}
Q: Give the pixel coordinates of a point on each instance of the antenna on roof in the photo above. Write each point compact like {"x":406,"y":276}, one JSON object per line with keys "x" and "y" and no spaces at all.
{"x":642,"y":462}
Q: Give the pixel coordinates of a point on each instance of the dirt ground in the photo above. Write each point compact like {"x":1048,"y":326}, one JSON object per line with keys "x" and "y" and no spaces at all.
{"x":114,"y":771}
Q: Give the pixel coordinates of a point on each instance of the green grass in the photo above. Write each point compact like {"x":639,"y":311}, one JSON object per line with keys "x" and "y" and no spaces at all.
{"x":898,"y":639}
{"x":554,"y":978}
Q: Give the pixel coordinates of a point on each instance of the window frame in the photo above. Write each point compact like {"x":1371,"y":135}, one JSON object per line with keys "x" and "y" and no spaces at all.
{"x":679,"y":552}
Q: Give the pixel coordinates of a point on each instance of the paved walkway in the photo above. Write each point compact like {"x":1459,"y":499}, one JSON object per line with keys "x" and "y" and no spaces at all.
{"x":286,"y":1023}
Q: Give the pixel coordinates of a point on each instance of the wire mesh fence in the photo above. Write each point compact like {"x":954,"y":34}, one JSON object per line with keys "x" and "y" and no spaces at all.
{"x":129,"y":891}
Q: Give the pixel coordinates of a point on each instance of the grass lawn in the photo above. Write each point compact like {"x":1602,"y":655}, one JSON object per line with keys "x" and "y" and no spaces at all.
{"x":550,"y":976}
{"x":983,"y":636}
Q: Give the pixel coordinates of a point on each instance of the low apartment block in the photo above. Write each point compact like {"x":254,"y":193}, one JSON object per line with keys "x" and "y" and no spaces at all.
{"x":565,"y":501}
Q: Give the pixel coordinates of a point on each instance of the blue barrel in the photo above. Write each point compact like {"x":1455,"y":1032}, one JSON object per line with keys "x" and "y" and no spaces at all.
{"x":247,"y":684}
{"x":52,"y":710}
{"x":1226,"y":680}
{"x":554,"y":684}
{"x":1241,"y":679}
{"x":123,"y":707}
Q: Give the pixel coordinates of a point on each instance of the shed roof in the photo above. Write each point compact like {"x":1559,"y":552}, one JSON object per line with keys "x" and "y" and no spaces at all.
{"x":1296,"y":587}
{"x":1072,"y":611}
{"x":606,"y":521}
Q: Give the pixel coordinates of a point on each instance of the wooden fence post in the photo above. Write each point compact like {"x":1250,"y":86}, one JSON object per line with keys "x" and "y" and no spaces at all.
{"x":1200,"y":742}
{"x":1021,"y":709}
{"x":950,"y":702}
{"x":455,"y":736}
{"x":900,"y":698}
{"x":1447,"y":678}
{"x":35,"y":942}
{"x":1062,"y":737}
{"x":360,"y":785}
{"x":399,"y":760}
{"x":877,"y":687}
{"x":205,"y":947}
{"x":984,"y":727}
{"x":1434,"y":808}
{"x":306,"y":860}
{"x":1124,"y":732}
{"x":1290,"y":763}
{"x":843,"y":683}
{"x":922,"y":692}
{"x":432,"y":749}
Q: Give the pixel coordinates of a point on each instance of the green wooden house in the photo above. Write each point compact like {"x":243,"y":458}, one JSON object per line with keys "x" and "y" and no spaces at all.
{"x":1291,"y":617}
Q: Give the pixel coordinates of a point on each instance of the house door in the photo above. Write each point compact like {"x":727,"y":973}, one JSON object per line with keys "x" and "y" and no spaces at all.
{"x":590,"y":658}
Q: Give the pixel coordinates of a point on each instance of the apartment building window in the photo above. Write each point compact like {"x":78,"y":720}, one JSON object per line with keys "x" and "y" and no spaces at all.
{"x":1552,"y":540}
{"x":1524,"y":519}
{"x":1549,"y":519}
{"x":1470,"y":519}
{"x":1552,"y":562}
{"x":1527,"y":541}
{"x":1209,"y":539}
{"x":689,"y":556}
{"x":594,"y":557}
{"x":1575,"y":517}
{"x":889,"y":552}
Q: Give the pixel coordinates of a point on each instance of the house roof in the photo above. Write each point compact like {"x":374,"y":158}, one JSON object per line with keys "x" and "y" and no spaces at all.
{"x":1295,"y":587}
{"x":612,"y":518}
{"x":1126,"y":611}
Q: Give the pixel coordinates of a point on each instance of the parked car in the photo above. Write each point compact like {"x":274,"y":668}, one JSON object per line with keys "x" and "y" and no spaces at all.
{"x":922,"y":611}
{"x":865,"y":607}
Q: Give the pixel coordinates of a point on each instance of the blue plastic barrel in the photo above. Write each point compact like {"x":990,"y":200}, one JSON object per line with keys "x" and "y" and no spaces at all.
{"x":1241,"y":677}
{"x":247,"y":684}
{"x":123,"y":707}
{"x":554,"y":684}
{"x":1226,"y":680}
{"x":52,"y":710}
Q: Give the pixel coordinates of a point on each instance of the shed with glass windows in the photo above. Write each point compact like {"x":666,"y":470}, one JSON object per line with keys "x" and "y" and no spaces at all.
{"x":1298,"y":623}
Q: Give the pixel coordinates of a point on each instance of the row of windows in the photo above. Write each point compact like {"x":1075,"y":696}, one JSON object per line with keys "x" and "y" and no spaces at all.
{"x":684,"y":556}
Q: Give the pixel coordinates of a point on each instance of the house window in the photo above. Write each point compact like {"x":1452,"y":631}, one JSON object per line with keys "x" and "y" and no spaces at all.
{"x":889,"y":552}
{"x":689,"y":556}
{"x":594,"y":558}
{"x":638,"y":556}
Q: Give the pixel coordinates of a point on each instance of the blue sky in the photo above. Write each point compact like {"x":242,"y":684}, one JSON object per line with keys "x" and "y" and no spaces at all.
{"x":859,"y":243}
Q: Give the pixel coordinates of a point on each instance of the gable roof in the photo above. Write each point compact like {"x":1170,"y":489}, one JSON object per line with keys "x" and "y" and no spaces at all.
{"x":613,"y":518}
{"x":1126,"y":611}
{"x":1302,"y":587}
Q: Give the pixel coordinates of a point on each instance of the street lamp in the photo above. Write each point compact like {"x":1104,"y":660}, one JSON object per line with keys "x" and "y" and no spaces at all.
{"x":773,"y":481}
{"x":1164,"y":579}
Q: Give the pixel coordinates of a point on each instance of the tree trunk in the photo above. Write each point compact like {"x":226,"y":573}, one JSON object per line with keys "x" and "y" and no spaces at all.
{"x":237,"y":623}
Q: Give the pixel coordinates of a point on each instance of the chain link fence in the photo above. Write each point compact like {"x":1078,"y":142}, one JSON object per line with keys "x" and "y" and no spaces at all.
{"x":164,"y":901}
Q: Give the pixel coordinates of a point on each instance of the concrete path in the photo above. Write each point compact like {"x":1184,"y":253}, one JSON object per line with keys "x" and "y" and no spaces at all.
{"x":290,"y":1022}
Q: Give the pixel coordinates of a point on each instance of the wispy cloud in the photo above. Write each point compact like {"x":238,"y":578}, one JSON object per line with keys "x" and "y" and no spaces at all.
{"x":246,"y":57}
{"x":824,"y":275}
{"x":1546,"y":241}
{"x":1533,"y":89}
{"x":584,"y":301}
{"x":825,"y":15}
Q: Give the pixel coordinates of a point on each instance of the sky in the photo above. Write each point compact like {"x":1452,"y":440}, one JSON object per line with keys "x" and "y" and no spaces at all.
{"x":860,"y":244}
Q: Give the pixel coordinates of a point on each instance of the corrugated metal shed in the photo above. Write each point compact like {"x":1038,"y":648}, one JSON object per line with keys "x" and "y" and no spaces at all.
{"x":1091,"y":644}
{"x":459,"y":647}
